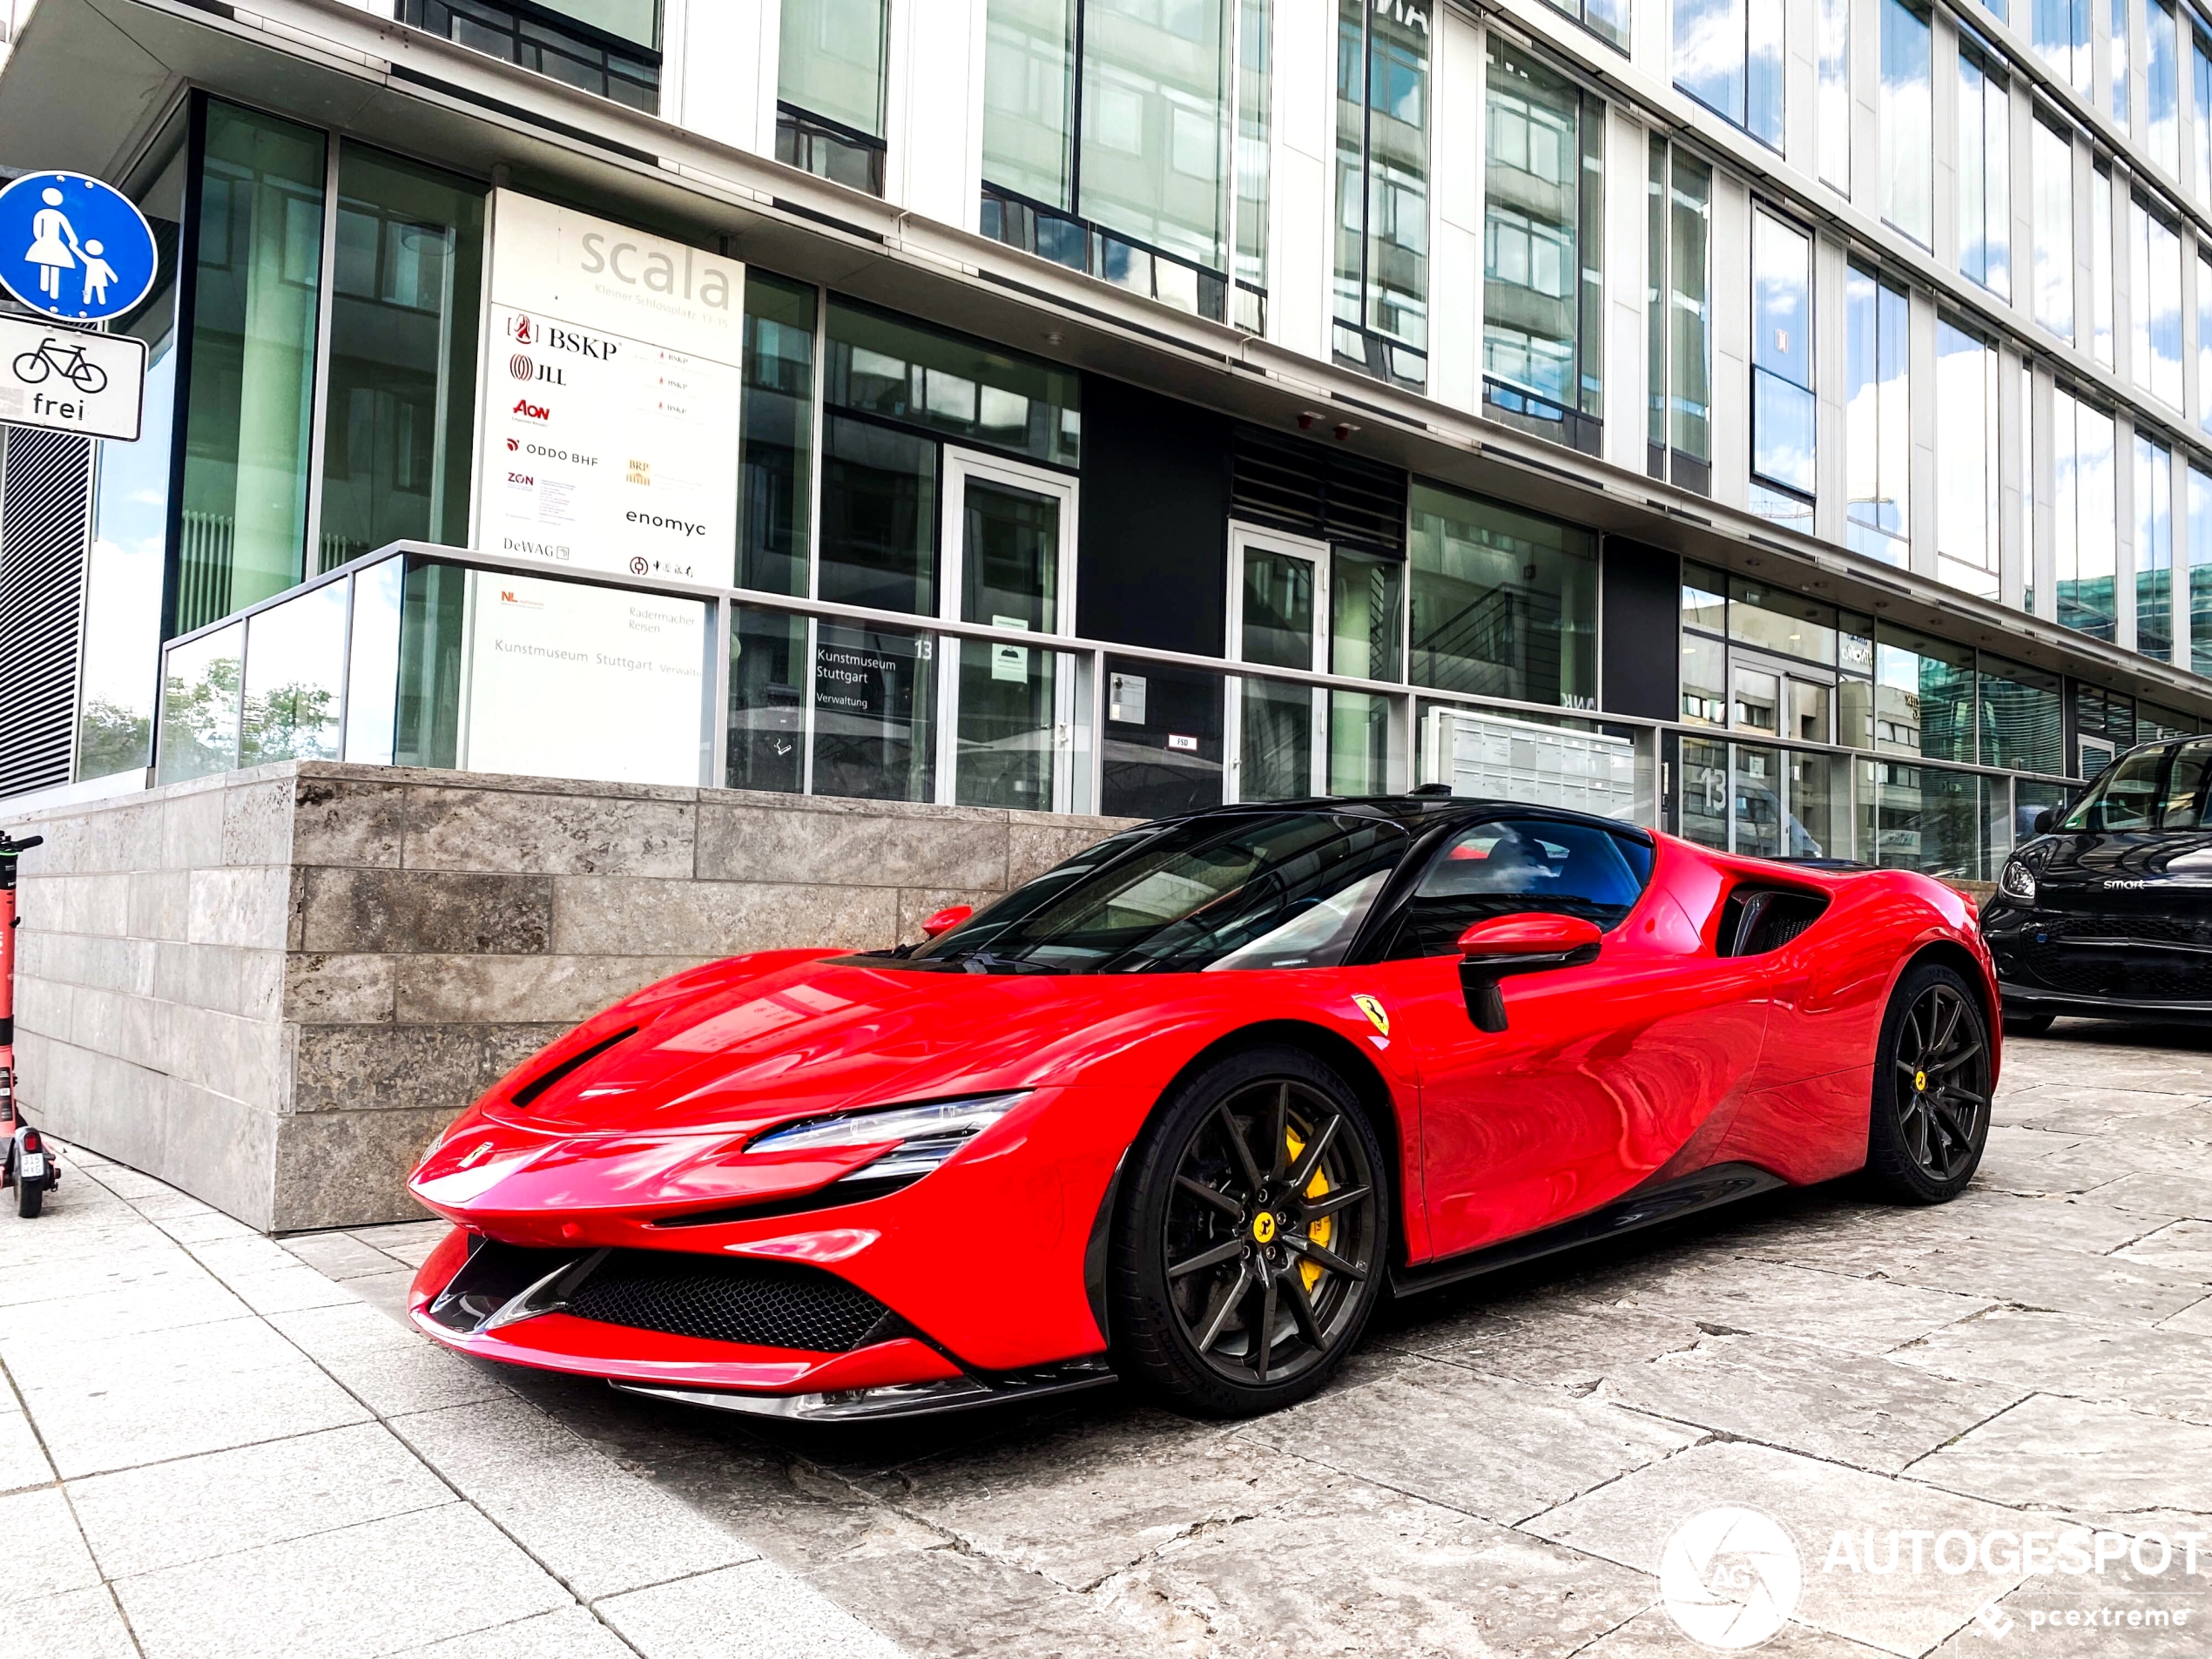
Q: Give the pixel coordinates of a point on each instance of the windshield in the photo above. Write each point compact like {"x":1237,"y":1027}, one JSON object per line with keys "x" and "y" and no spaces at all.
{"x":2147,"y":789}
{"x":1264,"y":890}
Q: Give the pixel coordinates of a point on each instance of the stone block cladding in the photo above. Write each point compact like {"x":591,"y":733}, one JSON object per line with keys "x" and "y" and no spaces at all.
{"x":272,"y":987}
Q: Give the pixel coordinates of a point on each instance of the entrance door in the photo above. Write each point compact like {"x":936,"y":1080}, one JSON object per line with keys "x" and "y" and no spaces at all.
{"x":1009,"y":540}
{"x":1278,"y":590}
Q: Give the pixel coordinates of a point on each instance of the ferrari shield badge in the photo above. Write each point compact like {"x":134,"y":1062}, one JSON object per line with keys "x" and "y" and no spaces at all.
{"x":1377,"y":1015}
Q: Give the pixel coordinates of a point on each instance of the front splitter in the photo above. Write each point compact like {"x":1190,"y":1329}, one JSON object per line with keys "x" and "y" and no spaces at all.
{"x":891,"y":1400}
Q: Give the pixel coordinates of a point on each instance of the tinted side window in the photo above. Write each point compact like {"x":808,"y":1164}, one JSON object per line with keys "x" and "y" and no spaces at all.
{"x":1509,"y":867}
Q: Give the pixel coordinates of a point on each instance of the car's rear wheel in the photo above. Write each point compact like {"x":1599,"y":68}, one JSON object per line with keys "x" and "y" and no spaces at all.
{"x":1931,"y":1107}
{"x":1249,"y":1251}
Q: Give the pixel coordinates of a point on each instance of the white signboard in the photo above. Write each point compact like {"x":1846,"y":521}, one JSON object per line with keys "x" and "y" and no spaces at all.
{"x":71,"y":381}
{"x":611,"y":390}
{"x":569,"y":681}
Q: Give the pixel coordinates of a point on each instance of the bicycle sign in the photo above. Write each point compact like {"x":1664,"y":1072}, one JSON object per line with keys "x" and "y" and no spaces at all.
{"x":70,"y":380}
{"x":73,"y":248}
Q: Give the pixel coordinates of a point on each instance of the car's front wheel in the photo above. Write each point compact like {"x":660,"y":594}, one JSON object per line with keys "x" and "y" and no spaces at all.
{"x":1250,"y":1246}
{"x":1932,"y":1089}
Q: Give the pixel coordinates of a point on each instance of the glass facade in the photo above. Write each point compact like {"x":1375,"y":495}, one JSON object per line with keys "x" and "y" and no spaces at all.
{"x":2100,"y":234}
{"x":250,"y":407}
{"x":1966,"y":511}
{"x":1543,"y":252}
{"x":2162,"y":83}
{"x":830,"y":90}
{"x":1833,"y":122}
{"x":1729,"y":56}
{"x":1908,"y":121}
{"x":2155,"y":304}
{"x":1382,"y":185}
{"x":2200,"y":556}
{"x":406,"y":281}
{"x":1783,"y":414}
{"x":1985,"y":162}
{"x":1162,"y":185}
{"x":2153,"y":549}
{"x":1678,"y":304}
{"x":2086,"y":557}
{"x":607,"y":47}
{"x":2051,"y":167}
{"x":1877,"y":417}
{"x":2199,"y":118}
{"x":2060,"y":30}
{"x":1503,"y":603}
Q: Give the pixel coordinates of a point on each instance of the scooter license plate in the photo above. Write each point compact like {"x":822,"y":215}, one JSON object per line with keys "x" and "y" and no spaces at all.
{"x":32,"y":1167}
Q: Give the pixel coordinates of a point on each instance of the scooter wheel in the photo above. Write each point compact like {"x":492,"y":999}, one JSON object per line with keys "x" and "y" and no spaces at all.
{"x":29,"y":1195}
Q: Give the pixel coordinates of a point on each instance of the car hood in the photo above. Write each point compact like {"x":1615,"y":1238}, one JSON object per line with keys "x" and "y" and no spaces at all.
{"x":2085,"y":860}
{"x":766,"y":1039}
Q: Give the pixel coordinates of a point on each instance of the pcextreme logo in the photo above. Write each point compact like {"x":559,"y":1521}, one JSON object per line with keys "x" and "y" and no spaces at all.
{"x":526,"y":410}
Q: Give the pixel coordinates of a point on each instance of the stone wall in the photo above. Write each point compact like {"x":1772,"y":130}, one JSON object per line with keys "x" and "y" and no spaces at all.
{"x":272,"y":987}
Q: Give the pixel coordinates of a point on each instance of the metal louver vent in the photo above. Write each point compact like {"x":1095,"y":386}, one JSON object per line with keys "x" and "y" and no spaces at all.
{"x":45,"y":495}
{"x":1315,"y":490}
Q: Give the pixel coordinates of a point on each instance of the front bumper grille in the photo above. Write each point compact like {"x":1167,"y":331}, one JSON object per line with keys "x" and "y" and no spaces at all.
{"x":713,"y":1298}
{"x":769,"y":1305}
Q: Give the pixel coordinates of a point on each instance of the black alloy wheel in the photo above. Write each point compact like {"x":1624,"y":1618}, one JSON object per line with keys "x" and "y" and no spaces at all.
{"x":1249,"y":1249}
{"x":1930,"y":1106}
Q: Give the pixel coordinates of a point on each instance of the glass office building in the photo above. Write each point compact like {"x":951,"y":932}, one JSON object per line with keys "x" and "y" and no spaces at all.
{"x":1082,"y":405}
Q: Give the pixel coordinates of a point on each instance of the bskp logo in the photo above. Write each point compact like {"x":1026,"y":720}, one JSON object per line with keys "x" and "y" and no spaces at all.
{"x":1729,"y":1577}
{"x":550,"y":336}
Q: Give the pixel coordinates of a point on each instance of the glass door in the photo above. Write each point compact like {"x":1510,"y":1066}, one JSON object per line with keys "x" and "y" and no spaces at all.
{"x":1009,"y":537}
{"x":1277,"y":586}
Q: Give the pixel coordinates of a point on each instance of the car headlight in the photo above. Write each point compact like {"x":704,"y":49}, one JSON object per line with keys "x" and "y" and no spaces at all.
{"x":923,"y":1136}
{"x":2017,"y":882}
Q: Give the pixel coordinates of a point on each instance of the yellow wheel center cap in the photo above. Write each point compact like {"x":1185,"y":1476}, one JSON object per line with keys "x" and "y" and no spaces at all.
{"x":1264,"y":1227}
{"x":1919,"y":1083}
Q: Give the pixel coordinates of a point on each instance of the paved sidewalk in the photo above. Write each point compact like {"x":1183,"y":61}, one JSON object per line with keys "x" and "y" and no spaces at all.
{"x":209,"y":1449}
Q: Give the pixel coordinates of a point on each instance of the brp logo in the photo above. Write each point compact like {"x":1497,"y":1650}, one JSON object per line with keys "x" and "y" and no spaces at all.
{"x":521,"y":367}
{"x":1729,"y":1577}
{"x":522,"y":330}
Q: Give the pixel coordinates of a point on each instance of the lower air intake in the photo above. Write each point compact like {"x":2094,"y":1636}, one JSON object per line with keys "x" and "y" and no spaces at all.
{"x":768,"y":1305}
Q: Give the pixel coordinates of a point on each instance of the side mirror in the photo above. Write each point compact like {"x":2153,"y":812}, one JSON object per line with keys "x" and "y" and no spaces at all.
{"x":948,"y":919}
{"x":2044,"y":820}
{"x":1490,"y":951}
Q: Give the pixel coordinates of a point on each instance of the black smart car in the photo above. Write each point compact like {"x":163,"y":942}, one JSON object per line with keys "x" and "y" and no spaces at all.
{"x":2106,"y":912}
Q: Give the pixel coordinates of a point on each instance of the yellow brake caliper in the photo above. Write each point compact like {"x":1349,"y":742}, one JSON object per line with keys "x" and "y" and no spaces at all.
{"x":1322,"y":1231}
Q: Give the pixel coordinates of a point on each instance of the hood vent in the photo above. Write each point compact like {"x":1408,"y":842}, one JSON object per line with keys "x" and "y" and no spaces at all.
{"x":545,"y":1080}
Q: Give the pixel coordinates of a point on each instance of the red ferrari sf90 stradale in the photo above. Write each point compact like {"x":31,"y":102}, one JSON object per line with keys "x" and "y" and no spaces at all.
{"x":1181,"y":1109}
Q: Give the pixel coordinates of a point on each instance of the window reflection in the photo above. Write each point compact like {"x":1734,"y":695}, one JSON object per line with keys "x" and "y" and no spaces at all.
{"x":1381,"y":265}
{"x":2085,"y":530}
{"x":1878,"y":438}
{"x":1966,"y":511}
{"x":1907,"y":122}
{"x":1504,"y":603}
{"x":2154,"y":303}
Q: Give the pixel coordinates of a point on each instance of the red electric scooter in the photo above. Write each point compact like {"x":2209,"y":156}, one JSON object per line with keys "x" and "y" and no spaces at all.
{"x":26,"y":1162}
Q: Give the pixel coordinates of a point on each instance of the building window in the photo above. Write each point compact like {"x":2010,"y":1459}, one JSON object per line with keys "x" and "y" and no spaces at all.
{"x":1678,"y":299}
{"x":1504,"y":603}
{"x":1382,"y":190}
{"x":1543,"y":233}
{"x":1607,"y":19}
{"x":1140,"y":192}
{"x":2101,"y":233}
{"x":2051,"y":169}
{"x":1833,"y":104}
{"x":1729,"y":56}
{"x":1967,"y":513}
{"x":1923,"y":696}
{"x":2201,"y":119}
{"x":1783,"y":414}
{"x":609,"y":47}
{"x":399,"y":411}
{"x":2153,"y":550}
{"x":2085,"y":555}
{"x":829,"y":91}
{"x":1877,"y":417}
{"x":2061,"y":33}
{"x":1985,"y":152}
{"x":2154,"y":303}
{"x":2027,"y":487}
{"x":775,"y":454}
{"x":2119,"y":62}
{"x":2022,"y":717}
{"x":1908,"y":121}
{"x":2204,"y":342}
{"x":2163,"y":82}
{"x":2199,"y":523}
{"x":250,"y":406}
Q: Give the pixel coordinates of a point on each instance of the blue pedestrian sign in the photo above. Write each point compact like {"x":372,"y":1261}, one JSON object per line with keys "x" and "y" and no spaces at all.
{"x":74,"y":248}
